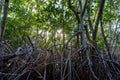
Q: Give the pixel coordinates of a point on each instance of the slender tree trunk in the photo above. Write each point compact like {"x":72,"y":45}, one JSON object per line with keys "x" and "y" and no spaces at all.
{"x":4,"y":19}
{"x":98,"y":19}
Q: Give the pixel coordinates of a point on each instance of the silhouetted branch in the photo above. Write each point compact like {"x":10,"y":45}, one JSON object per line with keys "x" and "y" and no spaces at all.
{"x":73,"y":10}
{"x":89,"y":21}
{"x":4,"y":19}
{"x":105,"y":40}
{"x":98,"y":18}
{"x":84,"y":8}
{"x":87,"y":32}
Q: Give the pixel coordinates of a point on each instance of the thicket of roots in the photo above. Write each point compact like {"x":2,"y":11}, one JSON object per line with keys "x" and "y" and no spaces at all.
{"x":83,"y":63}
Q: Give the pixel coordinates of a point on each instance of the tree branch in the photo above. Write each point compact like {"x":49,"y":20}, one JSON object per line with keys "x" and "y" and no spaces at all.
{"x":105,"y":40}
{"x":74,"y":11}
{"x":84,"y":8}
{"x":4,"y":19}
{"x":87,"y":32}
{"x":98,"y":18}
{"x":89,"y":21}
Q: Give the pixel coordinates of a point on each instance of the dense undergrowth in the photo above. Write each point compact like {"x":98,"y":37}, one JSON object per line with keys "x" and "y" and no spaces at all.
{"x":39,"y":63}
